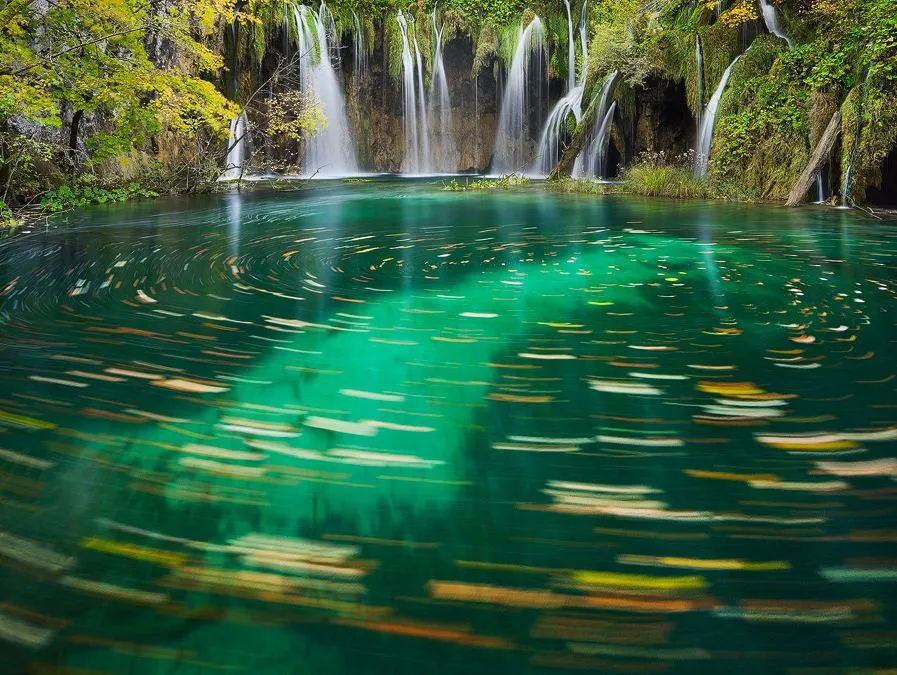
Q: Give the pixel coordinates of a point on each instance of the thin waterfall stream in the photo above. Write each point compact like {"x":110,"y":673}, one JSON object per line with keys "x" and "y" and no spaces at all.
{"x":445,"y":156}
{"x":771,"y":20}
{"x":592,"y":161}
{"x":708,"y":122}
{"x":511,"y":140}
{"x":329,"y":151}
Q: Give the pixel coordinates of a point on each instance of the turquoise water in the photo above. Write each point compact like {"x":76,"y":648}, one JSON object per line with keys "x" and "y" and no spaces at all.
{"x":382,"y":428}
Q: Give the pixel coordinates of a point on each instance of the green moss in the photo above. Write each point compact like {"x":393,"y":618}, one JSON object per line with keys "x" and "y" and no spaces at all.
{"x":487,"y":44}
{"x":392,"y":47}
{"x":871,"y":112}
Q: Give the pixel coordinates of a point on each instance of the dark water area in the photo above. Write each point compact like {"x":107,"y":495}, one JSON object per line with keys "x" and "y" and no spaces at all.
{"x":381,"y":428}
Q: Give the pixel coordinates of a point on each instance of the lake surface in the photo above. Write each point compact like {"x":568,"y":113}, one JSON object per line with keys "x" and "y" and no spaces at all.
{"x":382,"y":428}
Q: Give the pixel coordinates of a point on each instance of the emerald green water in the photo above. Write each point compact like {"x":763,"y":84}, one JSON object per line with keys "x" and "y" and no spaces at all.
{"x":382,"y":428}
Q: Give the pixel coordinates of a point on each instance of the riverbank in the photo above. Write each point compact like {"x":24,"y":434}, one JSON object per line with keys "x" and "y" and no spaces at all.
{"x":171,"y":97}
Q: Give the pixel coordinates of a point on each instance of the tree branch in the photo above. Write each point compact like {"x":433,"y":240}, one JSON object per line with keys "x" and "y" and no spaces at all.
{"x":50,"y":57}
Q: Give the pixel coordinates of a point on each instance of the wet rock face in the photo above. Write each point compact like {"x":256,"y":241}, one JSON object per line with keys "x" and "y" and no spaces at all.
{"x":663,"y":120}
{"x":374,"y":103}
{"x":885,"y":192}
{"x":660,"y":118}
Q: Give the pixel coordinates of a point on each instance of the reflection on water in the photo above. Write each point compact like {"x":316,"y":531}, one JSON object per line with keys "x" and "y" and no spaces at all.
{"x":381,"y":428}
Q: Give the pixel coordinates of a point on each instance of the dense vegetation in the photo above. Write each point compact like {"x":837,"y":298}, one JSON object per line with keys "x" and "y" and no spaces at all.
{"x":99,"y":93}
{"x":108,"y":99}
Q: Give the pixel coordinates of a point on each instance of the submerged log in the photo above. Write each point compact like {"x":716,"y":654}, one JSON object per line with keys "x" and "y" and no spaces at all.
{"x":817,"y":159}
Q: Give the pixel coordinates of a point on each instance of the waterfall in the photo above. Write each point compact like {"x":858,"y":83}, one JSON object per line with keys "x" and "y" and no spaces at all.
{"x":771,"y":19}
{"x":359,"y":55}
{"x":417,"y":125}
{"x":699,"y":67}
{"x":236,"y":142}
{"x":595,"y":164}
{"x":511,"y":138}
{"x":412,"y":143}
{"x":325,"y":16}
{"x":848,"y":173}
{"x":553,"y":132}
{"x":233,"y":34}
{"x":584,"y":41}
{"x":592,"y":161}
{"x":329,"y":151}
{"x":820,"y":189}
{"x":425,"y":165}
{"x":571,"y":50}
{"x":476,"y":115}
{"x":236,"y":148}
{"x":555,"y":127}
{"x":597,"y":157}
{"x":445,"y":156}
{"x":708,"y":121}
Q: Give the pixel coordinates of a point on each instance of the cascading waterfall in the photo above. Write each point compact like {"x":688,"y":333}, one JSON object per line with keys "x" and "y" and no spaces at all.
{"x":511,"y":138}
{"x":236,"y":148}
{"x":571,"y":50}
{"x":426,"y":159}
{"x":329,"y":23}
{"x":592,"y":161}
{"x":549,"y":151}
{"x":771,"y":19}
{"x":476,"y":113}
{"x":705,"y":135}
{"x":820,"y":188}
{"x":412,"y":142}
{"x":555,"y":127}
{"x":329,"y":152}
{"x":444,"y":156}
{"x":699,"y":67}
{"x":597,"y":155}
{"x":584,"y":41}
{"x":848,"y":173}
{"x":359,"y":55}
{"x":239,"y":126}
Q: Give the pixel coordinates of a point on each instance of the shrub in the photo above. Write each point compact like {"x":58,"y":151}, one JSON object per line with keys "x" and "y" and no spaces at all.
{"x":73,"y":196}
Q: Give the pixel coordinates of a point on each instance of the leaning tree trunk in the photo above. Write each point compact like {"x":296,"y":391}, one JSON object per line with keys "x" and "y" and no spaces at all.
{"x":571,"y":152}
{"x":817,"y":159}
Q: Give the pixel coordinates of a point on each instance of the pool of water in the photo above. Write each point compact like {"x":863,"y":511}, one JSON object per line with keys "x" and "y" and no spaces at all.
{"x":382,"y":428}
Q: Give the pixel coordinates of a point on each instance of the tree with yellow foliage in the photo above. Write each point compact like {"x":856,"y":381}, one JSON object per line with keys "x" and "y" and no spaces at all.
{"x":84,"y":83}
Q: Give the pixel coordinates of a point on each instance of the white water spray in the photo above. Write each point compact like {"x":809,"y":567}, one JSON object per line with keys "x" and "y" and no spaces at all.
{"x":359,"y":55}
{"x":554,"y":130}
{"x":699,"y":68}
{"x":705,"y":135}
{"x":848,"y":173}
{"x":771,"y":19}
{"x":412,"y":142}
{"x":329,"y":152}
{"x":512,"y":137}
{"x":592,"y":161}
{"x":583,"y":41}
{"x":571,"y":50}
{"x":236,"y":148}
{"x":445,"y":157}
{"x":426,"y":165}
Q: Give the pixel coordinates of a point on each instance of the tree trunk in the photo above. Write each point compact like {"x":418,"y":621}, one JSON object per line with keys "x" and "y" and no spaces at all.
{"x":73,"y":139}
{"x":817,"y":159}
{"x":571,"y":152}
